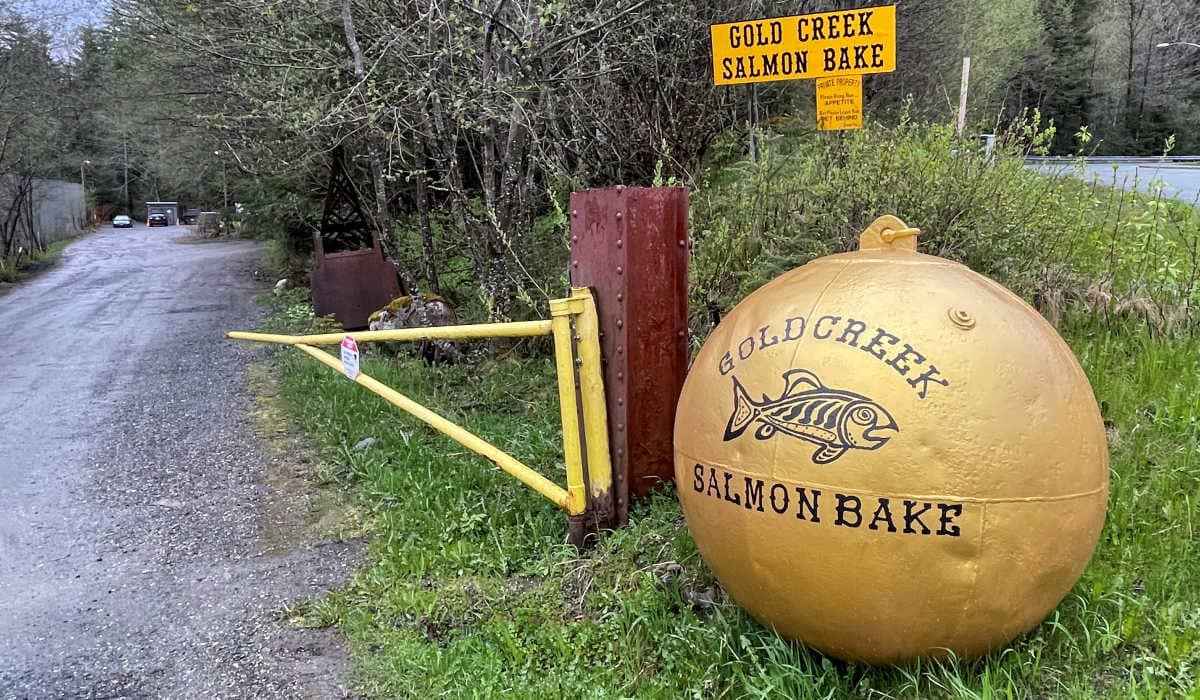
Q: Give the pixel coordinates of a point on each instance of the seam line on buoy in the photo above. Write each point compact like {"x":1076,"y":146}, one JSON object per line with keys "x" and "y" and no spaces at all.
{"x":796,"y":349}
{"x":922,"y":497}
{"x":926,"y":260}
{"x":974,"y":600}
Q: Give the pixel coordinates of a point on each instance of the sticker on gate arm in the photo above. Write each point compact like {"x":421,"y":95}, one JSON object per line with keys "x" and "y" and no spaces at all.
{"x":350,"y":357}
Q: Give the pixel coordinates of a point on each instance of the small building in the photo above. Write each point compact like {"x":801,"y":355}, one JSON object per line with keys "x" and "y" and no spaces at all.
{"x":171,"y":209}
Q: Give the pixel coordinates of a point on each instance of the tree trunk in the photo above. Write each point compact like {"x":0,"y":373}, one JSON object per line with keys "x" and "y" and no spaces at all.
{"x":1141,"y":110}
{"x":382,"y":220}
{"x":445,"y":138}
{"x":36,"y":242}
{"x":427,"y":250}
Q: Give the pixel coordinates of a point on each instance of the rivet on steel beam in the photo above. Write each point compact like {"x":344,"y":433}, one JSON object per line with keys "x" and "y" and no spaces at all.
{"x":620,"y":426}
{"x":620,"y":296}
{"x":620,"y":451}
{"x":682,"y":243}
{"x":620,"y":188}
{"x":620,"y":242}
{"x":574,"y":212}
{"x":575,"y":264}
{"x":620,"y":402}
{"x":620,"y":270}
{"x":682,"y":333}
{"x":620,"y":323}
{"x":620,"y":375}
{"x":578,"y":360}
{"x":574,"y":239}
{"x":619,"y":216}
{"x":620,"y":349}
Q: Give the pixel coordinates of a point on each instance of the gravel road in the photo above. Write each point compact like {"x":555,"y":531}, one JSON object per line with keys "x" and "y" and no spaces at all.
{"x":142,"y":551}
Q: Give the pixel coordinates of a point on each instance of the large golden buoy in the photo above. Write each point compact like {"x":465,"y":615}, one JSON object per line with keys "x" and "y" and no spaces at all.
{"x":887,"y":456}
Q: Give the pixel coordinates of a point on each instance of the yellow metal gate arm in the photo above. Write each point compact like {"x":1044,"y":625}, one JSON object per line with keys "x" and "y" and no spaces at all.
{"x":552,"y":491}
{"x":515,"y":329}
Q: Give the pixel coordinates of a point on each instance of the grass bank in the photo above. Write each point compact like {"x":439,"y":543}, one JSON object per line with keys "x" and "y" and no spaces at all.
{"x":25,"y":266}
{"x":470,"y":591}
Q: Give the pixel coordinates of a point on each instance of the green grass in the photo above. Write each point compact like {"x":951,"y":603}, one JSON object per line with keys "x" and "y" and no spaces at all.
{"x":469,"y":591}
{"x":12,"y":271}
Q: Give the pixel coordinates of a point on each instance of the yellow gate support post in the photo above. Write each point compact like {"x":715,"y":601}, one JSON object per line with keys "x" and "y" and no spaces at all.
{"x":577,"y":354}
{"x":575,"y":329}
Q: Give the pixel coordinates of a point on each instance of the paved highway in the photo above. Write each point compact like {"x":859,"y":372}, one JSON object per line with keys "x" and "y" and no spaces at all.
{"x":1180,"y":179}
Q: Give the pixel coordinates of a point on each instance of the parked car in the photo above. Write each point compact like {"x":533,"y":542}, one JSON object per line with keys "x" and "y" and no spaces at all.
{"x":156,"y":220}
{"x":189,"y":216}
{"x":122,"y":221}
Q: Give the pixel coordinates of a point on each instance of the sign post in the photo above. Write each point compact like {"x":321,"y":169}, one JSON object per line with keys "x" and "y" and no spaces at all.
{"x":839,"y":103}
{"x":962,"y":95}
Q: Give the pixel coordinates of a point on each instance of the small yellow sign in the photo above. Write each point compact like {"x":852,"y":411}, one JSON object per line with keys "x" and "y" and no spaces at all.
{"x":840,"y":103}
{"x":821,"y":45}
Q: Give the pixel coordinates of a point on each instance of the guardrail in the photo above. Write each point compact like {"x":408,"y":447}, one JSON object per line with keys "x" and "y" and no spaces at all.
{"x":1101,"y":160}
{"x":587,"y":497}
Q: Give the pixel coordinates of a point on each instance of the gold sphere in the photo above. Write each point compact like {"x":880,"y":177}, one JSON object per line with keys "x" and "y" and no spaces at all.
{"x":887,"y":456}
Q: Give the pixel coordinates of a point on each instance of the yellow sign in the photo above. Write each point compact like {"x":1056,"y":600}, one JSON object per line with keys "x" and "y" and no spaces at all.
{"x":840,"y":103}
{"x":821,"y":45}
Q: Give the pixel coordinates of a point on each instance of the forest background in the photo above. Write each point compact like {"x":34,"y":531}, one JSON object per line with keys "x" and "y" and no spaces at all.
{"x":465,"y":122}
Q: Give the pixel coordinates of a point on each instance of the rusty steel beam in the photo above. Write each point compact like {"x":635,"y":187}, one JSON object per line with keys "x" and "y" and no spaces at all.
{"x":630,"y":245}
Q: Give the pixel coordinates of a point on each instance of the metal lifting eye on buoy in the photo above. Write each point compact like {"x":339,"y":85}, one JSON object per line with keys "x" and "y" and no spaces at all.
{"x":888,"y":232}
{"x":890,"y":235}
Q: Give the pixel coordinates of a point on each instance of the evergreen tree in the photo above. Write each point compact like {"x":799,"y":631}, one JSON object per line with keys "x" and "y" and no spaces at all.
{"x":1066,"y":84}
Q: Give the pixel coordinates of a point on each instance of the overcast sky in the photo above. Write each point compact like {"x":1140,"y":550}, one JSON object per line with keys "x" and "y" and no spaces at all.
{"x":62,"y":17}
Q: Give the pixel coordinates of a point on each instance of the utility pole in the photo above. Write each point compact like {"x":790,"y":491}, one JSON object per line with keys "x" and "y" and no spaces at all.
{"x":224,"y":181}
{"x":962,"y":95}
{"x":125,"y":152}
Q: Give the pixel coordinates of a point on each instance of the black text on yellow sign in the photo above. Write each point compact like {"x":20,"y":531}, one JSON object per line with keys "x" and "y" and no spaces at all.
{"x":822,"y":45}
{"x":839,"y":103}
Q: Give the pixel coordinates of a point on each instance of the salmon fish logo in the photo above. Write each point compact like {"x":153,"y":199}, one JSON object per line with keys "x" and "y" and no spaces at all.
{"x":834,"y":420}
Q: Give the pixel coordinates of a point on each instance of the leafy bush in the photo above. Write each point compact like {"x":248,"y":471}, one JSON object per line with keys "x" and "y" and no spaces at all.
{"x":1053,"y":239}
